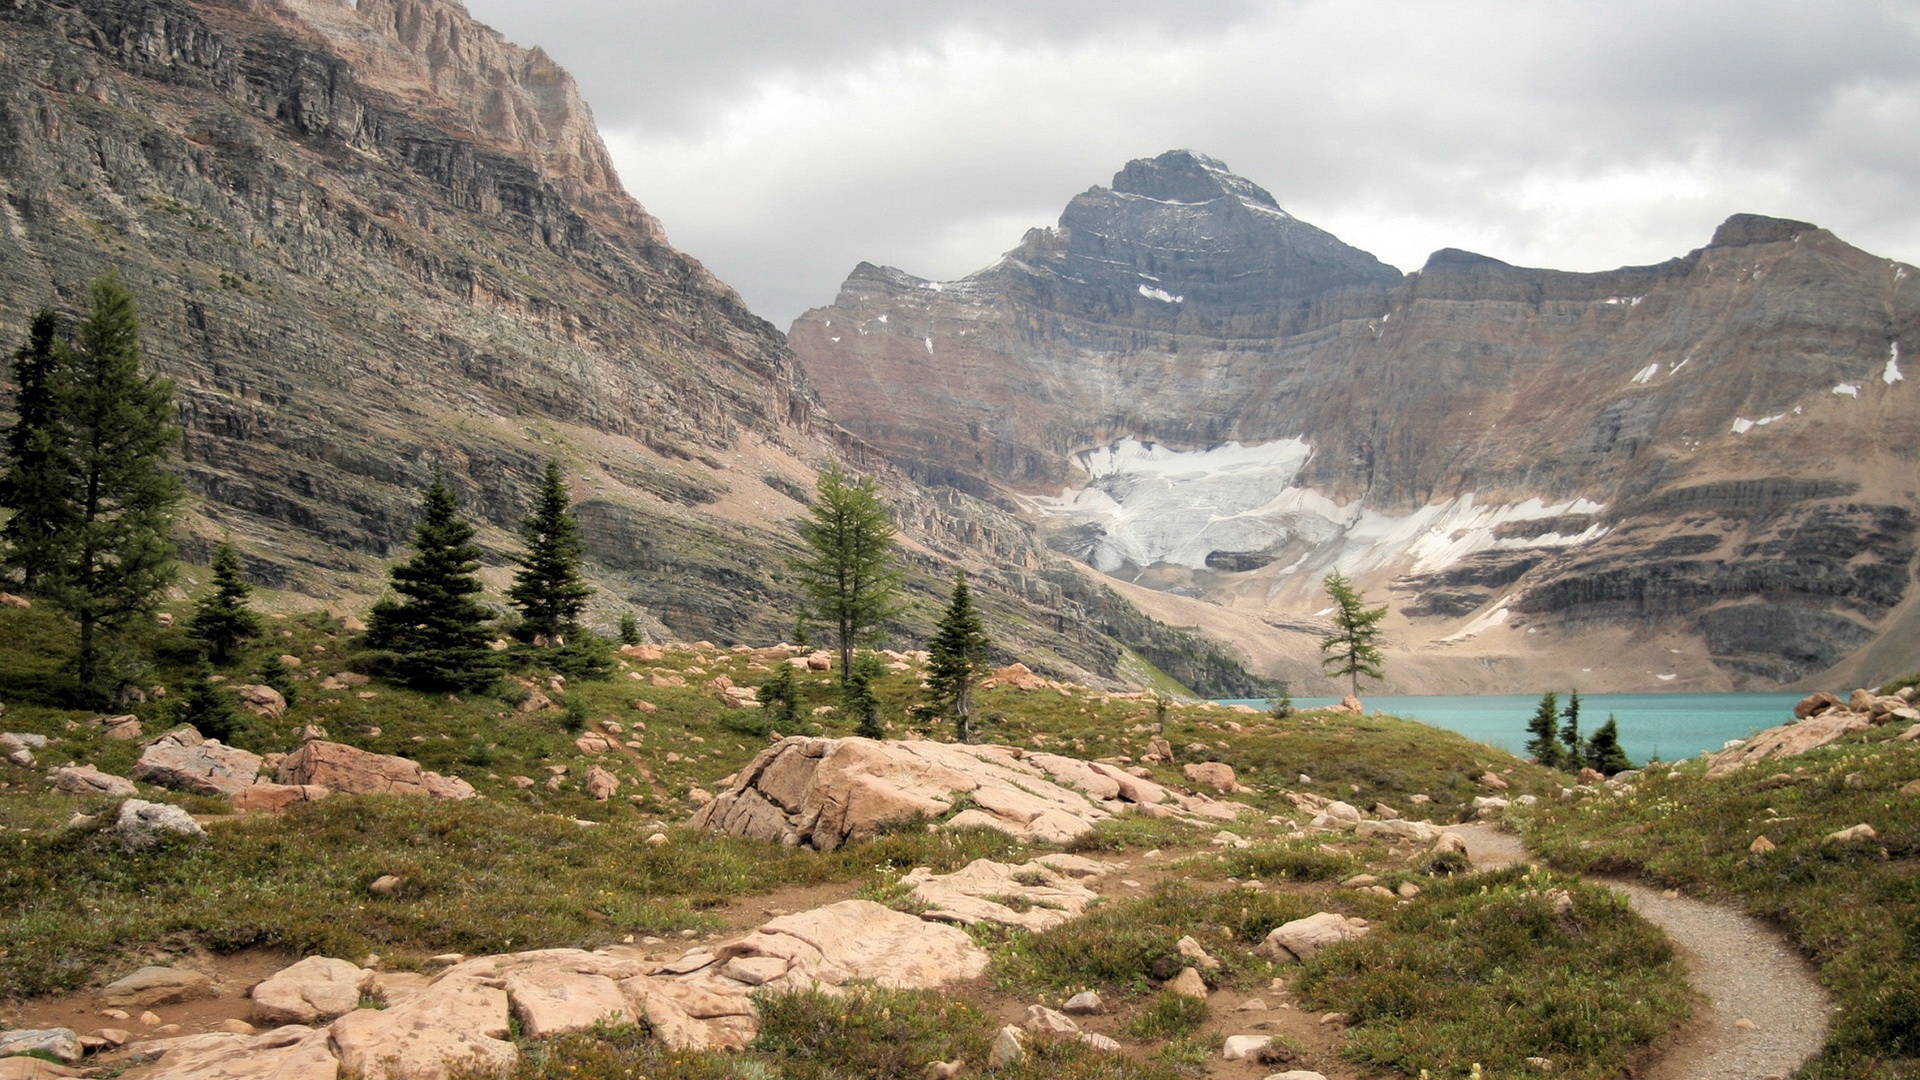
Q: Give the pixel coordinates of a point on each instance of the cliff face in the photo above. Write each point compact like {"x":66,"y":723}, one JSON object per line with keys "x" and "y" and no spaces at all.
{"x":371,"y":239}
{"x":1706,"y":462}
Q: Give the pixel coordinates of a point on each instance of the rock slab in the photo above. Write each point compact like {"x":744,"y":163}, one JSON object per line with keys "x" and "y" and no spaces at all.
{"x":343,"y":768}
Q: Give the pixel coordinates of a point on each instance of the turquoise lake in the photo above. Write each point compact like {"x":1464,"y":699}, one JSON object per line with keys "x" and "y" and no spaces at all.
{"x":1669,"y":726}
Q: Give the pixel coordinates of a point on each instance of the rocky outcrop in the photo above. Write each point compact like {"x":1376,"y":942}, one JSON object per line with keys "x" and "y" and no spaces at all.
{"x":88,"y":780}
{"x":1039,"y":894}
{"x":823,"y":793}
{"x":338,"y":767}
{"x":182,"y":760}
{"x":1819,"y":719}
{"x":1504,"y":449}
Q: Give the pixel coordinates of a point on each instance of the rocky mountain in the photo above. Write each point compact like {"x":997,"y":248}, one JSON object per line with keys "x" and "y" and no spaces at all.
{"x":1694,"y":475}
{"x":372,"y":237}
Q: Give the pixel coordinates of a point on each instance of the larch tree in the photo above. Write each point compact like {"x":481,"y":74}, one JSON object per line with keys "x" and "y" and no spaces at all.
{"x":850,"y":578}
{"x":111,"y":557}
{"x":35,"y":485}
{"x":1352,"y":649}
{"x":222,"y":619}
{"x":958,"y":653}
{"x":438,"y":630}
{"x":548,"y":588}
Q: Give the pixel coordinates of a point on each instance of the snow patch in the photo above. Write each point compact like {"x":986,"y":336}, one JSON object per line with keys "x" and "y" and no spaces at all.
{"x":936,"y":286}
{"x":881,"y":319}
{"x":1852,"y":390}
{"x":1668,"y":678}
{"x":1161,"y":295}
{"x":1629,"y":301}
{"x":1892,"y":374}
{"x":1646,"y":374}
{"x":1742,"y":425}
{"x":1497,"y":617}
{"x":929,"y":343}
{"x":835,"y":340}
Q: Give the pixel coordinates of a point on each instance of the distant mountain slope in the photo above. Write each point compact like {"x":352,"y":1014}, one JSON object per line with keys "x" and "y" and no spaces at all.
{"x":371,"y":238}
{"x":1705,"y":464}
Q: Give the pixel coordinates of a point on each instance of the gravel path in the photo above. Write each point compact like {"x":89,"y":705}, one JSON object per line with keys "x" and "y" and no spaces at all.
{"x":1767,"y":1014}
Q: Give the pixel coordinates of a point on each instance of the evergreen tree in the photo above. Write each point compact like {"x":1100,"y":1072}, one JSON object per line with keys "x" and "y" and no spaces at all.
{"x":850,"y":578}
{"x":438,"y":630}
{"x":957,"y":654}
{"x":1604,"y":752}
{"x":112,"y":559}
{"x":857,"y":696}
{"x":207,"y":707}
{"x":275,"y":673}
{"x":548,"y":588}
{"x":222,"y":618}
{"x":780,"y":698}
{"x":1545,"y":729}
{"x":629,"y":629}
{"x":1281,"y":707}
{"x":36,"y":485}
{"x":1353,"y":648}
{"x":1570,"y":731}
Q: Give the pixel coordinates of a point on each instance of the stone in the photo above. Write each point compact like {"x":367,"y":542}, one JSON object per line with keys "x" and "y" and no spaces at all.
{"x":600,"y":783}
{"x":238,"y":1027}
{"x":859,"y":939}
{"x":1297,"y":1074}
{"x":149,"y":1018}
{"x":87,"y":780}
{"x":1044,"y":1021}
{"x":121,"y":728}
{"x":593,"y":743}
{"x":943,"y":1070}
{"x":157,"y":986}
{"x":343,"y":768}
{"x":143,"y":824}
{"x":269,"y":796}
{"x":182,"y":760}
{"x":1105,"y":1044}
{"x":1193,"y":951}
{"x":552,"y":1001}
{"x":1492,"y":781}
{"x":1761,"y":845}
{"x":1814,"y":704}
{"x":1862,"y":831}
{"x":261,"y":700}
{"x":1911,"y":788}
{"x":1019,"y":677}
{"x":1242,"y":1047}
{"x":1910,"y":735}
{"x":1786,"y":741}
{"x":26,"y":1068}
{"x":316,"y":988}
{"x":1009,"y":1048}
{"x":1214,"y":774}
{"x":456,"y":1018}
{"x":1188,"y":984}
{"x":1301,"y":938}
{"x":1084,"y":1003}
{"x":61,"y":1043}
{"x":756,"y":970}
{"x":1034,"y":895}
{"x":1861,"y":701}
{"x":386,"y":885}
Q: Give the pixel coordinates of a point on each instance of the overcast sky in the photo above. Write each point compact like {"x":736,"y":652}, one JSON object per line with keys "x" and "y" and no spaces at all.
{"x":782,"y":141}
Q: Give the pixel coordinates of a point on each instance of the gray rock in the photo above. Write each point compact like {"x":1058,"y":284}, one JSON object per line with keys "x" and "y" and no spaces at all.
{"x":1084,"y":1003}
{"x":157,"y":986}
{"x":87,"y":780}
{"x":182,"y":760}
{"x":143,"y":824}
{"x":61,"y":1043}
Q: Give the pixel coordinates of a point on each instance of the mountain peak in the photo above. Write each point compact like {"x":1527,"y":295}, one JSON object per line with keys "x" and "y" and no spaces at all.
{"x":1187,"y":176}
{"x":1742,"y":229}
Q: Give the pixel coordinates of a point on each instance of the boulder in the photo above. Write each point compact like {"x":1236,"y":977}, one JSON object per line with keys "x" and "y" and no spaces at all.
{"x":1019,"y":677}
{"x":61,"y":1043}
{"x":1814,"y":704}
{"x":600,"y":783}
{"x":338,"y":767}
{"x":261,"y":700}
{"x":317,"y":988}
{"x":120,"y":728}
{"x":1188,"y":984}
{"x":267,"y":796}
{"x":1301,"y":938}
{"x":1862,"y":831}
{"x":30,"y":1068}
{"x":1217,"y":775}
{"x":456,"y":1019}
{"x":294,"y":1052}
{"x":1787,"y":740}
{"x":1084,"y":1003}
{"x":182,"y":760}
{"x":551,"y":1000}
{"x":87,"y":780}
{"x":1449,"y":843}
{"x":1861,"y":701}
{"x":1036,"y":895}
{"x":1044,"y":1021}
{"x":1009,"y":1048}
{"x":143,"y":824}
{"x":1351,"y":704}
{"x":1492,"y":781}
{"x":1242,"y":1047}
{"x":15,"y":750}
{"x":1761,"y":845}
{"x":156,"y":986}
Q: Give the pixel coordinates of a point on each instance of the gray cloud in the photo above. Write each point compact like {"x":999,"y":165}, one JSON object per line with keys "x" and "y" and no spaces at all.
{"x":781,"y":142}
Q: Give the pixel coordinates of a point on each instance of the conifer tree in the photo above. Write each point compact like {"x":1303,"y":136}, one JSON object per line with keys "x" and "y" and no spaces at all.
{"x":112,"y":558}
{"x":1545,"y":729}
{"x":850,"y":578}
{"x":274,"y":672}
{"x":222,"y":618}
{"x":207,"y":707}
{"x":1604,"y":752}
{"x":438,"y":630}
{"x":1570,"y":731}
{"x":548,"y":588}
{"x":629,"y":629}
{"x":36,"y":484}
{"x":1353,"y":648}
{"x":858,"y":697}
{"x":957,"y":654}
{"x":780,"y":698}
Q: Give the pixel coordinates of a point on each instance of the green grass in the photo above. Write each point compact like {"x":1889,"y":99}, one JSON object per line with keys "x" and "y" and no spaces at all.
{"x":1482,"y":969}
{"x":1852,"y":908}
{"x":1168,"y":1016}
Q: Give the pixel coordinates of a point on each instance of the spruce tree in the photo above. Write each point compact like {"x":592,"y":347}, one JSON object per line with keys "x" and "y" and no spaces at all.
{"x":858,"y":697}
{"x":548,"y":588}
{"x":780,"y":698}
{"x":274,"y":672}
{"x":629,"y":629}
{"x":1604,"y":752}
{"x":1353,"y":648}
{"x":222,"y":618}
{"x":957,"y":654}
{"x":1570,"y":730}
{"x":850,"y":578}
{"x":36,"y":485}
{"x":1545,"y":729}
{"x":112,"y":558}
{"x":207,"y":707}
{"x":438,"y":630}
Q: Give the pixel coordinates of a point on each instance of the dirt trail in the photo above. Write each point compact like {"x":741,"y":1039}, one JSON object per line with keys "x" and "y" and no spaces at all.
{"x":1745,"y":970}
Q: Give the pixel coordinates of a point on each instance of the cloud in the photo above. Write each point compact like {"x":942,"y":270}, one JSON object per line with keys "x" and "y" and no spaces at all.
{"x":783,"y":142}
